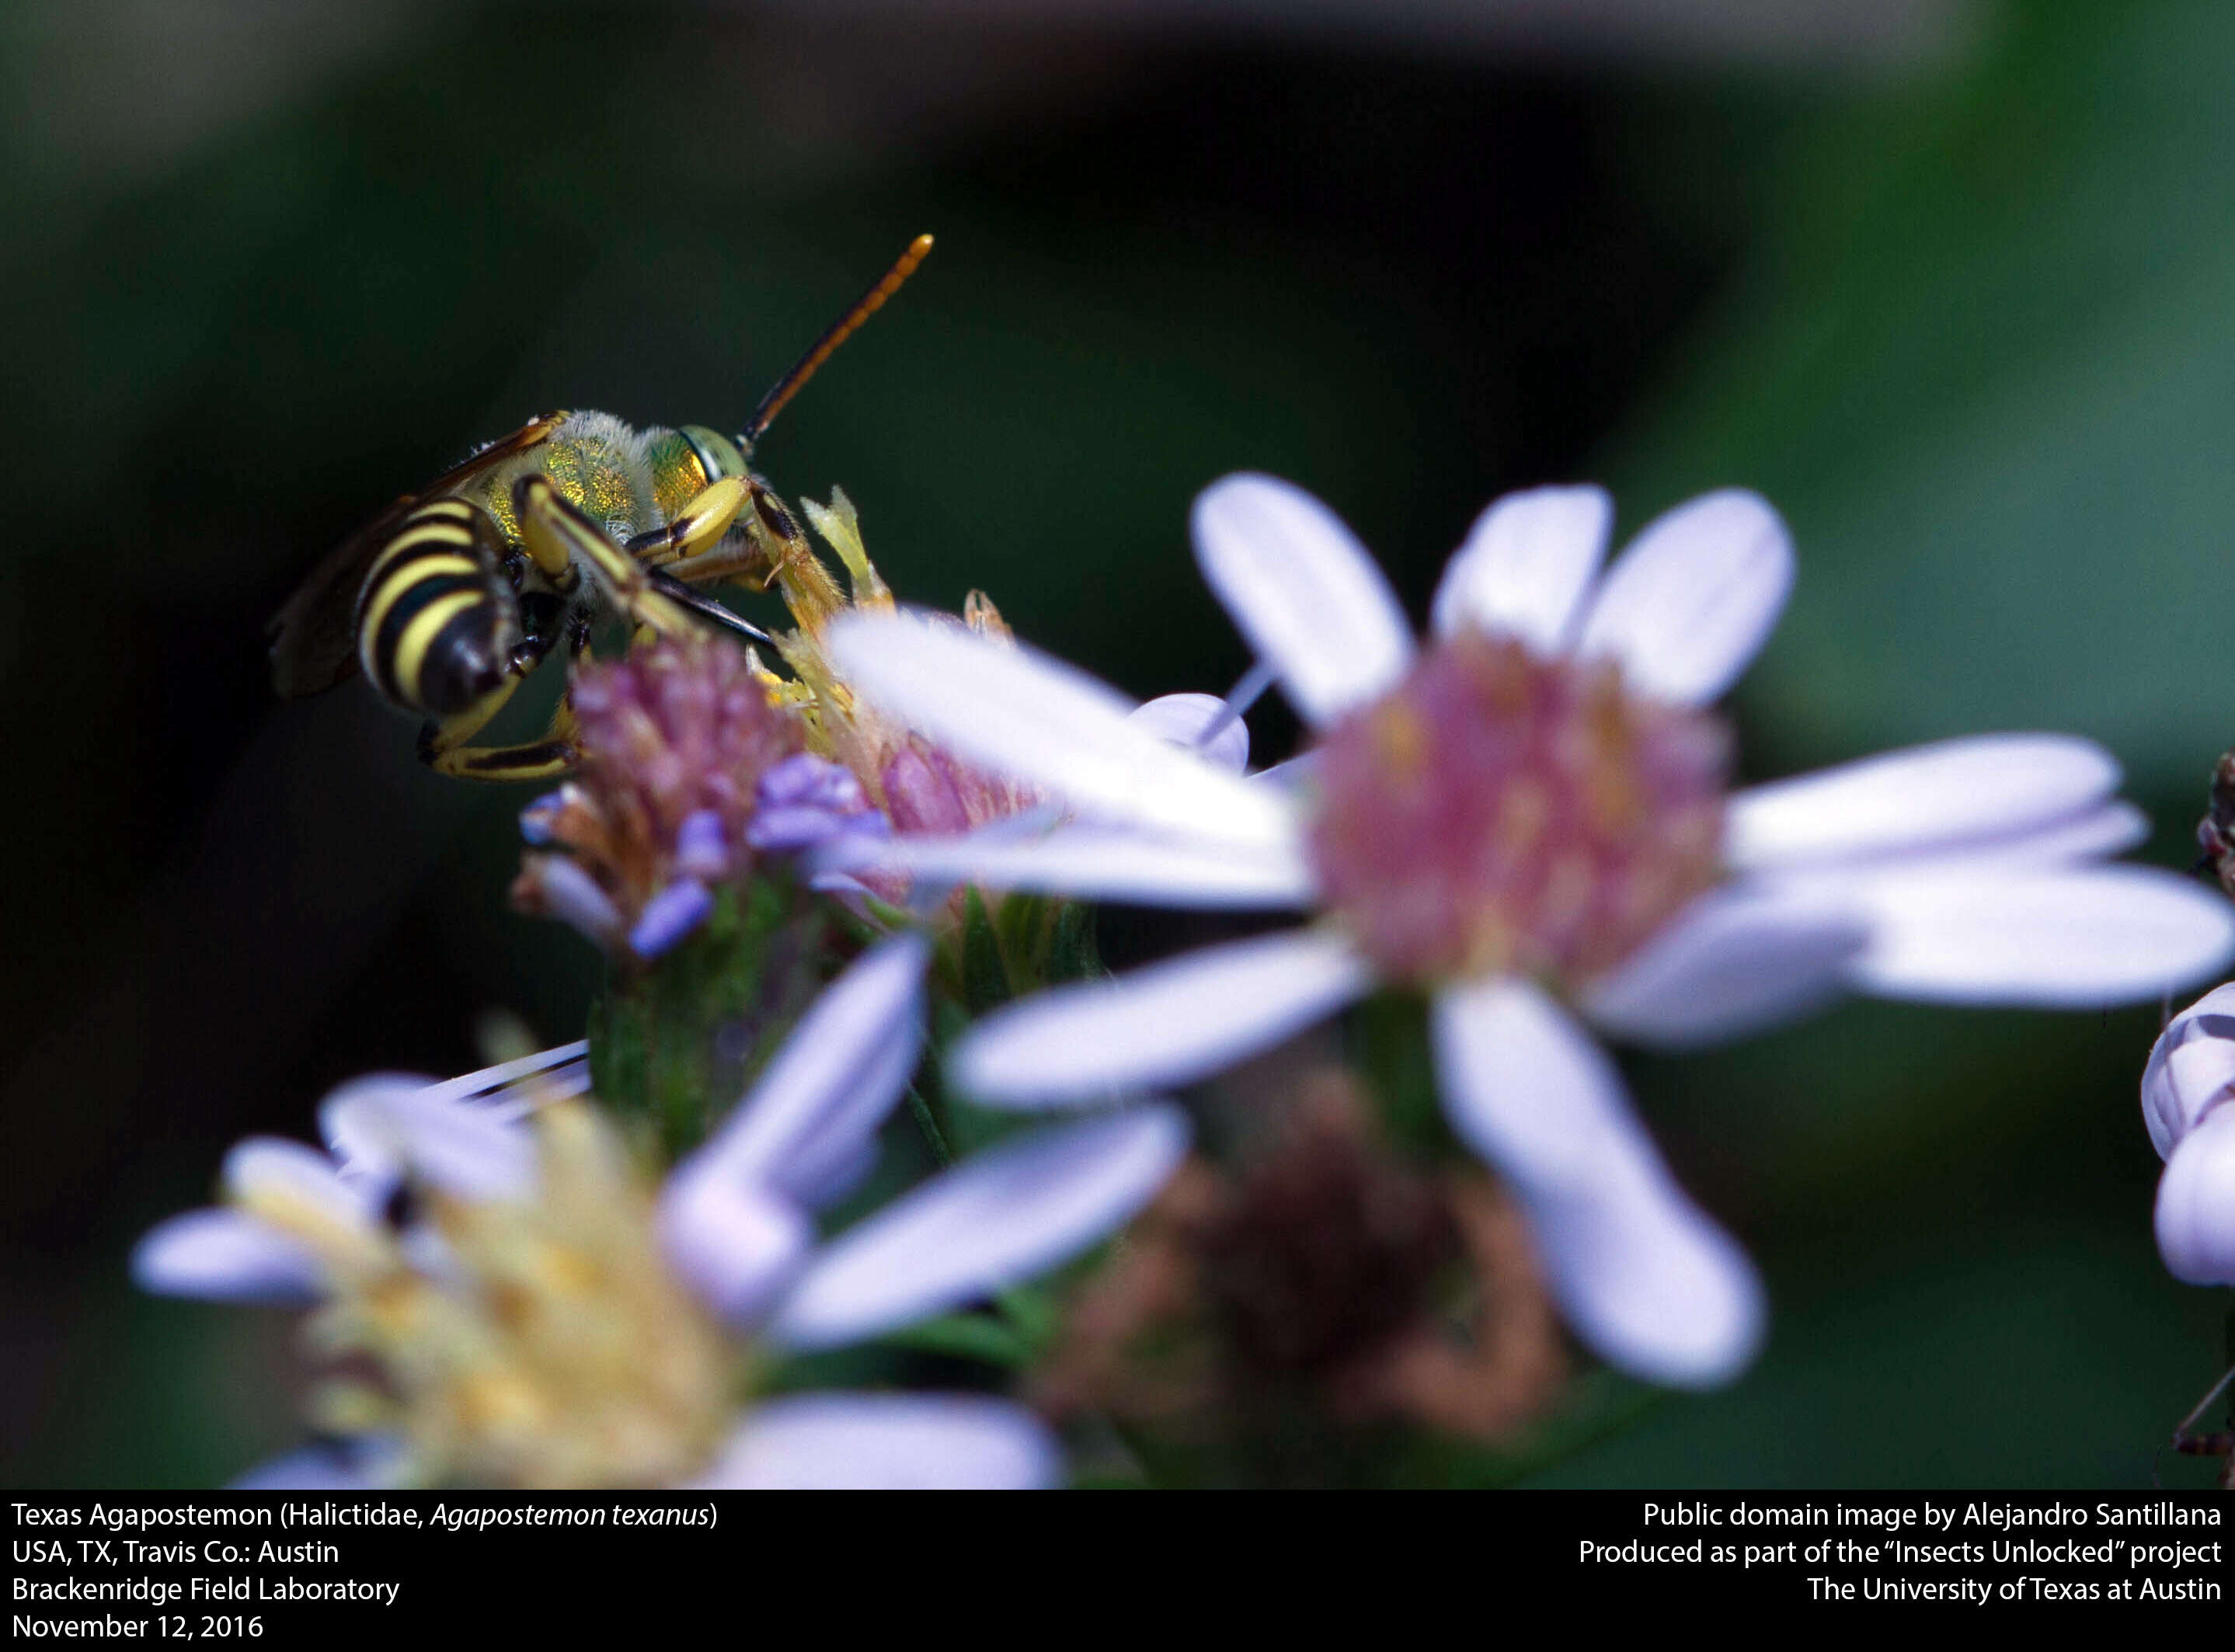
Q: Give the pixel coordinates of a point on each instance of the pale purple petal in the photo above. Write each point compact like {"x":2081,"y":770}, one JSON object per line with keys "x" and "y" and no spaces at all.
{"x":352,"y":1118}
{"x":1097,"y":863}
{"x":565,"y":891}
{"x":1733,"y":962}
{"x":1524,"y":1087}
{"x":888,"y":1443}
{"x":1525,"y":566}
{"x":2070,"y":938}
{"x":1295,"y":779}
{"x":1169,"y":1023}
{"x":341,"y":1465}
{"x":273,"y":1168}
{"x":2196,"y":1203}
{"x":380,"y":1129}
{"x":1303,"y":590}
{"x":1928,"y":796}
{"x":735,"y":1243}
{"x":702,"y":846}
{"x":225,"y":1256}
{"x":1020,"y":713}
{"x":668,"y":916}
{"x":840,"y":1073}
{"x":1183,"y":718}
{"x":1647,"y":1280}
{"x":787,"y":831}
{"x":1693,"y":600}
{"x":995,"y":1220}
{"x":507,"y":1075}
{"x":2192,"y":1067}
{"x":514,"y":1089}
{"x":2094,"y":834}
{"x":805,"y":800}
{"x":2191,"y":1081}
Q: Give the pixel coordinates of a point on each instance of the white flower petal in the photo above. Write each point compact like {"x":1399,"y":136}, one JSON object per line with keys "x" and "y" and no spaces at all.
{"x":2094,"y":834}
{"x":1524,"y":1086}
{"x":1094,"y":862}
{"x":353,"y":1119}
{"x":993,"y":1221}
{"x":735,"y":1243}
{"x":2071,"y":938}
{"x":527,"y":1075}
{"x":1018,"y":711}
{"x":888,"y":1443}
{"x":1297,"y":777}
{"x":1170,"y":1023}
{"x":1693,"y":600}
{"x":379,"y":1126}
{"x":2190,"y":1067}
{"x":1304,"y":592}
{"x":1646,"y":1279}
{"x":1929,"y":796}
{"x":225,"y":1256}
{"x":269,"y":1168}
{"x":828,"y":1090}
{"x":2196,"y":1203}
{"x":1734,"y":961}
{"x":2193,"y":1079}
{"x":1181,"y":719}
{"x":1525,"y":566}
{"x":349,"y":1466}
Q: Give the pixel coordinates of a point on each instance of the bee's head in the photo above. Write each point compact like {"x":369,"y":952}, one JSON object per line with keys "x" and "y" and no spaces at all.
{"x":719,"y":456}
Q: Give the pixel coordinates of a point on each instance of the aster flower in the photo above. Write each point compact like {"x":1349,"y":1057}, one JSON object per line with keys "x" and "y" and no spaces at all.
{"x":920,"y":786}
{"x":538,"y":1317}
{"x":1529,"y":822}
{"x":2186,"y":1092}
{"x":677,"y":740}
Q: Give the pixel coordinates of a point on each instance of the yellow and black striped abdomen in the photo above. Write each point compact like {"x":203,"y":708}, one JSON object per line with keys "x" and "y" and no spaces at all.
{"x":436,"y":622}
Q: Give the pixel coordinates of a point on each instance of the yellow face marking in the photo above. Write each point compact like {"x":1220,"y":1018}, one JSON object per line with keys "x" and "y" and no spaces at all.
{"x":385,"y":597}
{"x":411,"y":647}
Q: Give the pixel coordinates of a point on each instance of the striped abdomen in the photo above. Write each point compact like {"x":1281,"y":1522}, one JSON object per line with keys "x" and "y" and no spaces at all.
{"x":436,"y":623}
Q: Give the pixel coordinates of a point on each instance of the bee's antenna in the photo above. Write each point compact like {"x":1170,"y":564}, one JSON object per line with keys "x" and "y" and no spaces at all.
{"x":836,"y":334}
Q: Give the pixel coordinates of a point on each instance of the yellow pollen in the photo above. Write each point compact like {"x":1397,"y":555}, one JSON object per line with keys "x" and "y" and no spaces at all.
{"x":1402,"y":738}
{"x":553,"y":1349}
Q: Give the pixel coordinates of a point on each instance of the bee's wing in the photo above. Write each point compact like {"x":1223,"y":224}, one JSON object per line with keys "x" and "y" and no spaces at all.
{"x":314,"y":636}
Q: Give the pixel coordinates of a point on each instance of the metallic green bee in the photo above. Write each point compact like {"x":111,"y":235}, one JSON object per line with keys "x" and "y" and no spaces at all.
{"x":453,"y":595}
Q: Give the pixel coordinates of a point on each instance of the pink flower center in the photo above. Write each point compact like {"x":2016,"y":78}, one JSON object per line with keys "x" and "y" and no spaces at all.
{"x":1499,"y":811}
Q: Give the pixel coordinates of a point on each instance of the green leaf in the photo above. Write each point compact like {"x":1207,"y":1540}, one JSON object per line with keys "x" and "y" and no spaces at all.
{"x":969,"y":1336}
{"x":985,"y":979}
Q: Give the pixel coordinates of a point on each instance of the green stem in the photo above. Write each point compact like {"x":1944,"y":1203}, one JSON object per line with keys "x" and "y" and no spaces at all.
{"x":928,"y":1122}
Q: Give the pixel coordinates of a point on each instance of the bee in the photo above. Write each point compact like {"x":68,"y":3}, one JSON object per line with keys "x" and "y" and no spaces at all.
{"x":451,"y":597}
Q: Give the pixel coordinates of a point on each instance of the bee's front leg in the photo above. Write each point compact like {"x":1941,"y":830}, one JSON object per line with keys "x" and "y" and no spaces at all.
{"x":697,"y":527}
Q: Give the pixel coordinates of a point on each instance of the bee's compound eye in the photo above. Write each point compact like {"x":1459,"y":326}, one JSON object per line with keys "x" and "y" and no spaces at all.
{"x":719,"y":456}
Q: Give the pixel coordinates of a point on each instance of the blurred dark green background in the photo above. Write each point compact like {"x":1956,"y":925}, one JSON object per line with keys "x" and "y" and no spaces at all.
{"x":1954,"y":284}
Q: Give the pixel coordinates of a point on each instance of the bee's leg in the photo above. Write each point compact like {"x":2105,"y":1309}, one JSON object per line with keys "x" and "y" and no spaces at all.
{"x":700,"y":524}
{"x":773,"y":541}
{"x":444,"y":745}
{"x":706,"y":607}
{"x":560,"y":537}
{"x":2220,"y":1442}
